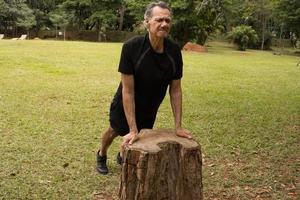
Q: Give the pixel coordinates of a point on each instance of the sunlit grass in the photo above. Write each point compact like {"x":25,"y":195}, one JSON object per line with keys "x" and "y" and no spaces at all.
{"x":243,"y":108}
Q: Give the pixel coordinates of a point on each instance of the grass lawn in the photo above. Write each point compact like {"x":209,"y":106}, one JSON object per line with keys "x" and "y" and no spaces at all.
{"x":242,"y":107}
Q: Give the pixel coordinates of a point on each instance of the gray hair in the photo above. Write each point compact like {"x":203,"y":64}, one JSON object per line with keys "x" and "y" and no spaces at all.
{"x":149,"y":8}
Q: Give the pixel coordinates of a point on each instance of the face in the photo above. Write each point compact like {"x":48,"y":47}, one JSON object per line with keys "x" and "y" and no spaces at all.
{"x":160,"y":23}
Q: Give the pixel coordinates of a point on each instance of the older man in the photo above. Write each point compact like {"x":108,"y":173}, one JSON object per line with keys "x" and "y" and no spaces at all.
{"x":148,"y":65}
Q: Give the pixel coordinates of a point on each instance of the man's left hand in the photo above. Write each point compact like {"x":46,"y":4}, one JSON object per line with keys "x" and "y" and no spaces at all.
{"x":181,"y":132}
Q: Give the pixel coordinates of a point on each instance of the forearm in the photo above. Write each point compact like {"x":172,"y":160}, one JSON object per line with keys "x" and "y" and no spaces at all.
{"x":176,"y":103}
{"x":129,"y":109}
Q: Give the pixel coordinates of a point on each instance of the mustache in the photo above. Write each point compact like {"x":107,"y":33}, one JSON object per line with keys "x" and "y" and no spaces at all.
{"x":163,"y":29}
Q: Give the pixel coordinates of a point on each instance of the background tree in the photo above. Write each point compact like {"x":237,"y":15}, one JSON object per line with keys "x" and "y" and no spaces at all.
{"x":3,"y":14}
{"x":288,"y":14}
{"x":209,"y":19}
{"x":60,"y":18}
{"x":41,"y":10}
{"x":231,"y":14}
{"x":121,"y":12}
{"x":104,"y":15}
{"x":17,"y":15}
{"x":81,"y":10}
{"x":258,"y":14}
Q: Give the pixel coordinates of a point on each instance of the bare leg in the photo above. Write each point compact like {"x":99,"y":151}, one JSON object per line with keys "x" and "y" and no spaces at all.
{"x":107,"y":138}
{"x":122,"y":149}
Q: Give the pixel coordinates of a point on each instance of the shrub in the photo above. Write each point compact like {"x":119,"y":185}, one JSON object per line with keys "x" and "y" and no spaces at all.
{"x":243,"y":36}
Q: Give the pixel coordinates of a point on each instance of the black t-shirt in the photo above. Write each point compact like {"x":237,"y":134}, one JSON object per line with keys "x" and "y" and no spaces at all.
{"x":152,"y":73}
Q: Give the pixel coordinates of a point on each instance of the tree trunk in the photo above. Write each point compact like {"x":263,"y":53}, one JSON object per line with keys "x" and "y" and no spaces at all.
{"x":122,"y":12}
{"x":56,"y":32}
{"x":161,"y":165}
{"x":99,"y":31}
{"x":263,"y":32}
{"x":280,"y":36}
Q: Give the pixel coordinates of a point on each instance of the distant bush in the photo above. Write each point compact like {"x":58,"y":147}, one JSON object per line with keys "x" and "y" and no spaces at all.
{"x":243,"y":36}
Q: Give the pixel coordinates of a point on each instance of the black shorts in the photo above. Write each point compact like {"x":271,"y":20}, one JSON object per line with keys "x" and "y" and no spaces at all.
{"x":117,"y":117}
{"x":119,"y":123}
{"x":121,"y":128}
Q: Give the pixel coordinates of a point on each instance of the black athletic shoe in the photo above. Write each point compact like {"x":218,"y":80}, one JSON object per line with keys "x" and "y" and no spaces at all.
{"x":101,"y":164}
{"x":119,"y":159}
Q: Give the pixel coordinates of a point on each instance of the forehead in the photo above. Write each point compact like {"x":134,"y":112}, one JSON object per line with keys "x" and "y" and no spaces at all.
{"x":160,"y":12}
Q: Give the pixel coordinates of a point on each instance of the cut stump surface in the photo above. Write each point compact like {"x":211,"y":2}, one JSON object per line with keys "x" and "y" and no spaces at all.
{"x":161,"y":165}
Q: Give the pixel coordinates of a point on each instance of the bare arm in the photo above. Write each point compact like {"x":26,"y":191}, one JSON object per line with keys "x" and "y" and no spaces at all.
{"x":176,"y":101}
{"x":129,"y":107}
{"x":176,"y":104}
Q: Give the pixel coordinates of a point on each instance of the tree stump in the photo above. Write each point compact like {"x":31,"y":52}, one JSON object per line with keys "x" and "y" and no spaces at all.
{"x":161,"y":166}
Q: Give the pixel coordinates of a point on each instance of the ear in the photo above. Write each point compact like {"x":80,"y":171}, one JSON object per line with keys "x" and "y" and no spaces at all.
{"x":146,"y":23}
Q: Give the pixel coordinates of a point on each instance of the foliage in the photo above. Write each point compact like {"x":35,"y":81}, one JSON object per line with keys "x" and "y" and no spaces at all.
{"x":288,"y":14}
{"x":104,"y":14}
{"x":17,"y":14}
{"x":255,"y":13}
{"x":231,"y":11}
{"x":259,"y":17}
{"x":41,"y":10}
{"x":3,"y":12}
{"x":59,"y":17}
{"x":193,"y":20}
{"x":243,"y":36}
{"x":269,"y":18}
{"x":81,"y":10}
{"x":89,"y":14}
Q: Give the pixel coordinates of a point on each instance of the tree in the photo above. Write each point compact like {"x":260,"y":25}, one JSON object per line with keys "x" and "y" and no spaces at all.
{"x":81,"y":10}
{"x":287,"y":13}
{"x":60,"y":19}
{"x":26,"y":18}
{"x":18,"y":15}
{"x":121,"y":11}
{"x":41,"y":10}
{"x":3,"y":13}
{"x":258,"y":15}
{"x":93,"y":14}
{"x":209,"y":18}
{"x":104,"y":15}
{"x":231,"y":11}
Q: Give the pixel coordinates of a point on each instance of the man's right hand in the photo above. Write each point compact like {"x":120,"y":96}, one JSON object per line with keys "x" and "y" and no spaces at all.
{"x":129,"y":138}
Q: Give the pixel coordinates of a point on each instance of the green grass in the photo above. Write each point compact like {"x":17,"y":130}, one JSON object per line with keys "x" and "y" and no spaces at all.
{"x":242,"y":107}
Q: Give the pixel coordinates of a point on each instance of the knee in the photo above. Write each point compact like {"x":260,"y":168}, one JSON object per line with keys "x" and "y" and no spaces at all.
{"x":111,"y":132}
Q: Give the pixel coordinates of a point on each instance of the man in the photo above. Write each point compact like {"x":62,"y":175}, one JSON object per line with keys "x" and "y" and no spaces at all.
{"x":148,"y":65}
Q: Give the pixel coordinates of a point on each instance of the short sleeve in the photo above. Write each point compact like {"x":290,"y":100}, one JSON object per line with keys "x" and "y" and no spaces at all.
{"x":126,"y":65}
{"x":178,"y":64}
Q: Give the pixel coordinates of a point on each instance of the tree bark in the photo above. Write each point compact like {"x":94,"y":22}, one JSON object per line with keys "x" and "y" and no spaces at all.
{"x":121,"y":20}
{"x":263,"y":32}
{"x":161,"y":166}
{"x":280,"y":36}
